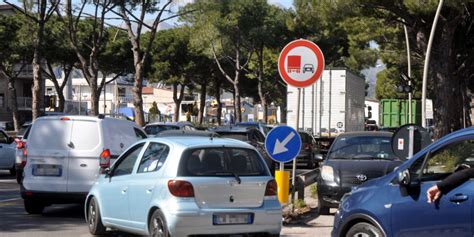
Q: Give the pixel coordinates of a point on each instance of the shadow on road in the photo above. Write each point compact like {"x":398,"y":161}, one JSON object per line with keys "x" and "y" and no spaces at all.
{"x":307,"y":219}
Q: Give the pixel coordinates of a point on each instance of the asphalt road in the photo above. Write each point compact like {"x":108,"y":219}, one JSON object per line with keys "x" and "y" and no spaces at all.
{"x":68,"y":220}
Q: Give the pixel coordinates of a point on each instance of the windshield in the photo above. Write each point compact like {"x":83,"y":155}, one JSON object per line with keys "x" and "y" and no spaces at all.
{"x":362,"y":147}
{"x":155,"y":129}
{"x":233,"y":135}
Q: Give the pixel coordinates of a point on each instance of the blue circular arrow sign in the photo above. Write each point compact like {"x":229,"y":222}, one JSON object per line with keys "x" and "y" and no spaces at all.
{"x":283,"y":144}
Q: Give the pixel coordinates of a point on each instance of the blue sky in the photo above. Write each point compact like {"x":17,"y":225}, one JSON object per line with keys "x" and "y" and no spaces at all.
{"x":282,"y":3}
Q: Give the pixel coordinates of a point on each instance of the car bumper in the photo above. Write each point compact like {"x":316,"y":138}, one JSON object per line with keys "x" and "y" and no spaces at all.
{"x":331,"y":195}
{"x":195,"y":221}
{"x":53,"y":197}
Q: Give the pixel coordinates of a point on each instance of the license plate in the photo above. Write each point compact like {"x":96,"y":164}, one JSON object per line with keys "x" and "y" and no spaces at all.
{"x":47,"y":170}
{"x":232,"y":218}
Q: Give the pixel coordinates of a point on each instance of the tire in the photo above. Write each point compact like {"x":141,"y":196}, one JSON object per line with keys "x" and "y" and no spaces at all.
{"x":94,"y":219}
{"x":364,"y":230}
{"x":33,"y":207}
{"x":322,"y":209}
{"x":157,"y":225}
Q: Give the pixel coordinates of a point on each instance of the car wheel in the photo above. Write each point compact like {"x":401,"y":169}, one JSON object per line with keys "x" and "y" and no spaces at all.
{"x":33,"y":206}
{"x":94,"y":219}
{"x":157,"y":225}
{"x":364,"y":230}
{"x":13,"y":171}
{"x":322,"y":210}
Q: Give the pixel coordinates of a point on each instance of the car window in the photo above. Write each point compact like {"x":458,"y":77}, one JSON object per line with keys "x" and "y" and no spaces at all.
{"x":3,"y":137}
{"x":127,"y":161}
{"x":153,"y":158}
{"x":221,"y":162}
{"x":445,"y":161}
{"x":362,"y":147}
{"x":139,"y":134}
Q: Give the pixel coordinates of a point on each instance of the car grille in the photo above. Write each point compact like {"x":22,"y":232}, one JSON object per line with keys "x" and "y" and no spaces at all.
{"x":352,"y":178}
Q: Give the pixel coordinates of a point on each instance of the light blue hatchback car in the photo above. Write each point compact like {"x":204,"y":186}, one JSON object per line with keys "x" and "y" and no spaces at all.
{"x":182,"y":186}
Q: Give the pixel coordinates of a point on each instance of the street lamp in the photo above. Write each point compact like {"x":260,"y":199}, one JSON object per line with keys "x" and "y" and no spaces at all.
{"x":427,"y":62}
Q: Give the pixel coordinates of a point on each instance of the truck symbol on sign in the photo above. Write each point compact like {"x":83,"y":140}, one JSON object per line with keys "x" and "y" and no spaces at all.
{"x":294,"y":63}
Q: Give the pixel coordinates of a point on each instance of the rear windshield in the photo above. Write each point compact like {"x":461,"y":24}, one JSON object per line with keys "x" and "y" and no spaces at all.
{"x":155,"y":129}
{"x":233,"y":135}
{"x":221,"y":162}
{"x":362,"y":147}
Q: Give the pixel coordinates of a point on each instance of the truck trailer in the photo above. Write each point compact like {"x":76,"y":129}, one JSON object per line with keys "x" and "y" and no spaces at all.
{"x":332,"y":105}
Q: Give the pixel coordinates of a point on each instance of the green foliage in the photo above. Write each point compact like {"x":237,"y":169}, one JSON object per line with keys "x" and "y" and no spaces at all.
{"x":15,"y":43}
{"x":314,"y":190}
{"x":299,"y":203}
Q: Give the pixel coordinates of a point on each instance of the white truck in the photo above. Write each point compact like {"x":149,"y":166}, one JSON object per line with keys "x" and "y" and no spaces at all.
{"x":332,"y":105}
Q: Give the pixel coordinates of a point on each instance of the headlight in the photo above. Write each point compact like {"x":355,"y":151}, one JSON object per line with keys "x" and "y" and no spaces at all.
{"x":327,"y":173}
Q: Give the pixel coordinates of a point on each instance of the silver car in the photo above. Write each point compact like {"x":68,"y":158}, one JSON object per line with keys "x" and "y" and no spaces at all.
{"x":181,"y":186}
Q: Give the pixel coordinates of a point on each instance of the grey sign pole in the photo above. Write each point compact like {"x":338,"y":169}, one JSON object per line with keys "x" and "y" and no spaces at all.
{"x":293,"y":173}
{"x":411,"y":135}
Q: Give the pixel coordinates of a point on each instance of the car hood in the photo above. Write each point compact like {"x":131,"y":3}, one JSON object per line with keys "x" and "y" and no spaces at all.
{"x":352,"y":172}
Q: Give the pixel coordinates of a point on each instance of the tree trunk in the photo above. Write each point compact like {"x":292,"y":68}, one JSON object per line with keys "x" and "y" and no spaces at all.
{"x":448,"y":103}
{"x":219,"y":104}
{"x":14,"y":103}
{"x":238,"y":105}
{"x":202,"y":103}
{"x":259,"y":85}
{"x":37,"y":97}
{"x":137,"y":94}
{"x":177,"y":100}
{"x":95,"y":97}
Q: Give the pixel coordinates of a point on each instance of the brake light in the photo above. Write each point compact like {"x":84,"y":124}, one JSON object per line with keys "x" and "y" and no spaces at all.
{"x":181,"y":188}
{"x":24,"y":159}
{"x":272,"y":188}
{"x":65,"y":119}
{"x":104,"y":159}
{"x":20,"y":144}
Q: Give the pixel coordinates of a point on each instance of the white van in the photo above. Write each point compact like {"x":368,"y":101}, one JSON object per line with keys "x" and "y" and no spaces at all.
{"x":63,"y":156}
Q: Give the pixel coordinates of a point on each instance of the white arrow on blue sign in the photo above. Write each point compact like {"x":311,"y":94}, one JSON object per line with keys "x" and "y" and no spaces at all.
{"x":283,"y":144}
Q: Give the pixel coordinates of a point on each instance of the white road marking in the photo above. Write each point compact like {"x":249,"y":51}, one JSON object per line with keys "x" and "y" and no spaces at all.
{"x":9,"y":200}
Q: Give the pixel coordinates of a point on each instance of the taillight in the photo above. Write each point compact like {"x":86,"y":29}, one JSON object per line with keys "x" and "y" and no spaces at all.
{"x":65,"y":119}
{"x":105,"y":159}
{"x":181,"y":188}
{"x":24,"y":159}
{"x":20,"y":144}
{"x":272,"y":188}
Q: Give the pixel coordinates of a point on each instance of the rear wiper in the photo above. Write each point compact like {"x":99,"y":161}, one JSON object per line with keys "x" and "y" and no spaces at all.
{"x":230,"y":173}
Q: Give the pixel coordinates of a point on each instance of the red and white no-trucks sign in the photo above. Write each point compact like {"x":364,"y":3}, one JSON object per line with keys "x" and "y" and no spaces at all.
{"x":301,"y":63}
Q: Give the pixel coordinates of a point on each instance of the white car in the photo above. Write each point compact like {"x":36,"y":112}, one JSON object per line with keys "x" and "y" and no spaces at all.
{"x":64,"y":155}
{"x":7,"y":153}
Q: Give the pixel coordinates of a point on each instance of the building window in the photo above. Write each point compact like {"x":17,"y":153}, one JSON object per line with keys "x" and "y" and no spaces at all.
{"x":2,"y":100}
{"x":122,"y":92}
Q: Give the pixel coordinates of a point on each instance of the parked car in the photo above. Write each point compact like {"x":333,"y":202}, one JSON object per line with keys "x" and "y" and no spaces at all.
{"x":309,"y":149}
{"x":186,"y":186}
{"x":262,"y":127}
{"x":396,"y":204}
{"x":155,"y":128}
{"x":354,"y":158}
{"x":64,"y":155}
{"x":20,"y":152}
{"x":187,"y":133}
{"x":251,"y":136}
{"x":7,"y":152}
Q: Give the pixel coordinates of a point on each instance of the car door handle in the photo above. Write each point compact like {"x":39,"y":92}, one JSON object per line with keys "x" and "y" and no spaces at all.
{"x":149,"y":190}
{"x":71,"y":145}
{"x":124,"y":190}
{"x":458,"y":198}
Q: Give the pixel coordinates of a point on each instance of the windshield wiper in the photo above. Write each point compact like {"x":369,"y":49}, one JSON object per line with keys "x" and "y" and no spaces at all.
{"x":230,"y":173}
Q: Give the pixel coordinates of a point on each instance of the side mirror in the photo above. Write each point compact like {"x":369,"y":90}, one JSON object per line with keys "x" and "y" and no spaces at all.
{"x":107,"y":172}
{"x":318,"y":157}
{"x":404,"y":178}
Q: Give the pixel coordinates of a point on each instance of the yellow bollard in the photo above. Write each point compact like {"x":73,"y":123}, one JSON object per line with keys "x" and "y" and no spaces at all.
{"x":283,"y":181}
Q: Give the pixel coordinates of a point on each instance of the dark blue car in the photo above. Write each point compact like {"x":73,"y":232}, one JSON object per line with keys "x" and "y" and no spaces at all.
{"x":396,"y":204}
